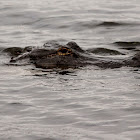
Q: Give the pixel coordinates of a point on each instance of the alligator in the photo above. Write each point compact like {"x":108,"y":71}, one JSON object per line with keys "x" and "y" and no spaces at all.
{"x":54,"y":55}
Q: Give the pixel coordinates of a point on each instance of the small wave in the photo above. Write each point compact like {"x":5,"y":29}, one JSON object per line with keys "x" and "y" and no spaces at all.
{"x":107,"y":23}
{"x":123,"y":43}
{"x":112,"y":23}
{"x":18,"y":104}
{"x":105,"y":51}
{"x":94,"y":24}
{"x":132,"y":45}
{"x":1,"y":49}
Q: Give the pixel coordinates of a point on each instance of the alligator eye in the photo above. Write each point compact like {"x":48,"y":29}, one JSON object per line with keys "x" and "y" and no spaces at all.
{"x":64,"y":51}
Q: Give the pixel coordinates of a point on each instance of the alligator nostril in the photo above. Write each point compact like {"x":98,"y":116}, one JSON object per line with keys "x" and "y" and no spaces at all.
{"x":12,"y":60}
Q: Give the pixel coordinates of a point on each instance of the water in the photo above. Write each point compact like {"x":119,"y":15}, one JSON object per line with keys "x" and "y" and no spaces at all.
{"x":82,"y":104}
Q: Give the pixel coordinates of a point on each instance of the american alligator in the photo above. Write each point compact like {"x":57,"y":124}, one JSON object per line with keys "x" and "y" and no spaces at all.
{"x":53,"y":55}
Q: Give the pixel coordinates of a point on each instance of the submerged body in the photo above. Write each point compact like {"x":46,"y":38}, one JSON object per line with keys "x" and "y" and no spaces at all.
{"x":53,"y":55}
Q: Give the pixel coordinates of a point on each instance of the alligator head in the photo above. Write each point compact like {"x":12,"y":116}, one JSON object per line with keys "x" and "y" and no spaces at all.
{"x":56,"y":56}
{"x":70,"y":56}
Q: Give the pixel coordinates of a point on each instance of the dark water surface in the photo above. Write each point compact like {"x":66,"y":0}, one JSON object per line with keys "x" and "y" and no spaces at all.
{"x":81,"y":104}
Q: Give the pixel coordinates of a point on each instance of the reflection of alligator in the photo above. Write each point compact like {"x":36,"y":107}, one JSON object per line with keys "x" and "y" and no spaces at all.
{"x":53,"y":55}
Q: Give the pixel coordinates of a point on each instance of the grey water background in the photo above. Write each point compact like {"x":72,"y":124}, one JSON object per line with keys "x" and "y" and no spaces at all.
{"x":84,"y":104}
